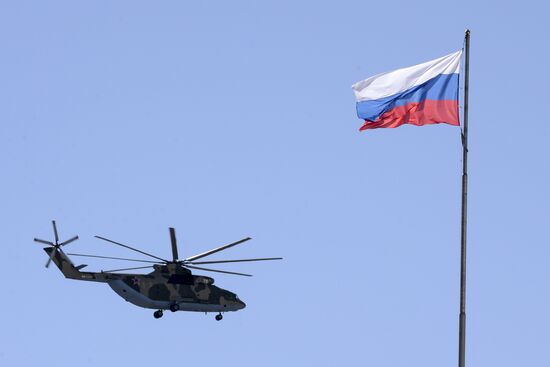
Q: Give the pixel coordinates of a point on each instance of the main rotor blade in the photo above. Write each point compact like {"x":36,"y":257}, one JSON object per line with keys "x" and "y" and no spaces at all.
{"x":174,"y":244}
{"x":208,"y":253}
{"x":218,"y":271}
{"x":115,"y":258}
{"x":44,"y":242}
{"x":51,"y":257}
{"x":233,"y":261}
{"x":68,"y":241}
{"x":55,"y":232}
{"x":139,"y":267}
{"x":131,"y":248}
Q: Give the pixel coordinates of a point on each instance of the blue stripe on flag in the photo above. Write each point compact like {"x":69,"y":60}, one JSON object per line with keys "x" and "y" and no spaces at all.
{"x":441,"y":87}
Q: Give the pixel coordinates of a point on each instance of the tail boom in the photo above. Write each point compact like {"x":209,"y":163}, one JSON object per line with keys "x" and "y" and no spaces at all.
{"x":62,"y":261}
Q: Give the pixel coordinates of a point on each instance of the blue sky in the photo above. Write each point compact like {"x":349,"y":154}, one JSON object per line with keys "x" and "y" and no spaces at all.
{"x":228,"y":120}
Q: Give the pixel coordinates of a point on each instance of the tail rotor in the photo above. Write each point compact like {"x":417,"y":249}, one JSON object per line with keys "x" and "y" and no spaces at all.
{"x":55,"y":246}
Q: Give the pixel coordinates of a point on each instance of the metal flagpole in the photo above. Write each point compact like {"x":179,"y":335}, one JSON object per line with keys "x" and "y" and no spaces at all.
{"x":462,"y":320}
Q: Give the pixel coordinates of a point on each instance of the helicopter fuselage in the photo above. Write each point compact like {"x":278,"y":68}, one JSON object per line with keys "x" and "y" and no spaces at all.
{"x":157,"y":291}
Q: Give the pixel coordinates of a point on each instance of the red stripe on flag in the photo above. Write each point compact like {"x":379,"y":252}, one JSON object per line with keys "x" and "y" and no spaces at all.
{"x":417,"y":113}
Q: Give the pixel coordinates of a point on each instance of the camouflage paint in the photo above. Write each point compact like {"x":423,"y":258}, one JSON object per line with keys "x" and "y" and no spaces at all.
{"x":160,"y":288}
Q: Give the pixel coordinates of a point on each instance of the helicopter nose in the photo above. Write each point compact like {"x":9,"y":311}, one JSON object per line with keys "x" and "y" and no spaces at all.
{"x":241,"y":304}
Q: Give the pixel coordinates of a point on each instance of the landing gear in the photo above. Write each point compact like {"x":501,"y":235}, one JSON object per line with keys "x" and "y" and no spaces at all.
{"x":219,"y":317}
{"x":157,"y":314}
{"x":174,"y":307}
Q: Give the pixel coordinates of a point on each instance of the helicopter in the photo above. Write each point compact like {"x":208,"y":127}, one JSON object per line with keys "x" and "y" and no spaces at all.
{"x":170,"y":286}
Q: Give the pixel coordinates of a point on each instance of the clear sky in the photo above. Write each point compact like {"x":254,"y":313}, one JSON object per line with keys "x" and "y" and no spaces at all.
{"x":234,"y":119}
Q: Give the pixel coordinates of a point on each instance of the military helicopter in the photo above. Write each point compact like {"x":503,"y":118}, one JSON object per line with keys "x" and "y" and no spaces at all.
{"x":170,"y":286}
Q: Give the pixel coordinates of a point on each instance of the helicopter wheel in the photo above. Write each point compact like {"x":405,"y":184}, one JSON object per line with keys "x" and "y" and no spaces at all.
{"x":157,"y":314}
{"x":219,"y":317}
{"x":174,"y":307}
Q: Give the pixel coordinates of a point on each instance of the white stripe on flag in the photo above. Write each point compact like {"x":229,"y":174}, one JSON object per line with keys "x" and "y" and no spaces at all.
{"x":393,"y":82}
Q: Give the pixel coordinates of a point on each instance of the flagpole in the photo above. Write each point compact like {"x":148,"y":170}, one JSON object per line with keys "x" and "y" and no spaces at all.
{"x":462,"y":319}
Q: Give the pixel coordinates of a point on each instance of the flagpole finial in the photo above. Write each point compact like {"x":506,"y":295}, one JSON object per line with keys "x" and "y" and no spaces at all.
{"x":467,"y":32}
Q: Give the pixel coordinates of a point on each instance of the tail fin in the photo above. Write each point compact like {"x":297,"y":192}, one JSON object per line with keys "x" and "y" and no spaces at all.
{"x":63,"y":263}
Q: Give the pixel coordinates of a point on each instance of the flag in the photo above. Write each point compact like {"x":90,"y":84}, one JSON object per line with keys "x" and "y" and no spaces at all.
{"x":422,"y":94}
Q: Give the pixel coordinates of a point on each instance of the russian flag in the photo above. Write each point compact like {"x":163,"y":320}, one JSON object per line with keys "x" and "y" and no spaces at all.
{"x":422,"y":94}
